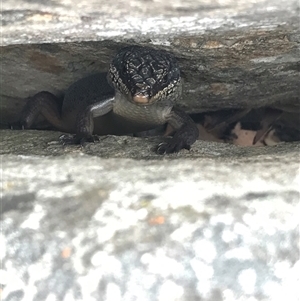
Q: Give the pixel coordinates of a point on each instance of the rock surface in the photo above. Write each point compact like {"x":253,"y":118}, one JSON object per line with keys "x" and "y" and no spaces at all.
{"x":232,"y":54}
{"x":216,"y":223}
{"x":114,"y":221}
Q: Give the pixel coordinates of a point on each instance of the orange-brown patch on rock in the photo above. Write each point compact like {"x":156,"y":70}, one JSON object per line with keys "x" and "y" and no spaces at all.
{"x":66,"y":252}
{"x":41,"y":17}
{"x":219,"y":89}
{"x":243,"y":137}
{"x":157,"y":220}
{"x":46,"y":63}
{"x":208,"y":136}
{"x":212,"y":45}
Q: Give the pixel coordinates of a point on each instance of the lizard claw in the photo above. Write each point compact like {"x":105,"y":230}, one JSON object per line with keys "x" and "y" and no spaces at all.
{"x":160,"y":149}
{"x":67,"y":139}
{"x":173,"y":146}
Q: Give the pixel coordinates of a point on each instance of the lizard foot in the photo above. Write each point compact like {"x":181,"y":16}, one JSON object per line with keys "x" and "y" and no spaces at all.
{"x":67,"y":139}
{"x":173,"y":146}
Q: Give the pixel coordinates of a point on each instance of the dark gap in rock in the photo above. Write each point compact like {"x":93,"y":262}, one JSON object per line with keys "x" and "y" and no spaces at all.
{"x":256,"y":127}
{"x":242,"y":127}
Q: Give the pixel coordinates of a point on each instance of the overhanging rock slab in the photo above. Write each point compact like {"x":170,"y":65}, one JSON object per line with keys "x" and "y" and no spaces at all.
{"x":232,"y":54}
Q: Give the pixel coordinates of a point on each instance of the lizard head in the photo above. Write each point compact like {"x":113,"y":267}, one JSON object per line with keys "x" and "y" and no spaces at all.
{"x":145,"y":75}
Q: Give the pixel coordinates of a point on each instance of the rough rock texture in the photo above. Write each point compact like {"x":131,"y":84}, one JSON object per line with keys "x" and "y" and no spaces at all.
{"x":80,"y":225}
{"x":114,"y":221}
{"x":46,"y":143}
{"x":233,"y":54}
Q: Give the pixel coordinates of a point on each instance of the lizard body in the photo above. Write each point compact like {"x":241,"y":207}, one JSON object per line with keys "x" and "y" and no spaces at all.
{"x":139,"y":94}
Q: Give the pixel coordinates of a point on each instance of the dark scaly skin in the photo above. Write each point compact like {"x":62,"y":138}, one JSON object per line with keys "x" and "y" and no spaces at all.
{"x":87,"y":91}
{"x":140,"y":92}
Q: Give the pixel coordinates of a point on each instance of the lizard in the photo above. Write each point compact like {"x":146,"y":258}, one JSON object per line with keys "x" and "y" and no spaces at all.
{"x":138,"y":93}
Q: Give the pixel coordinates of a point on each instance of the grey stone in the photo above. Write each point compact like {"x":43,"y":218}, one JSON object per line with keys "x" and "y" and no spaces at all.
{"x":112,"y":222}
{"x":115,"y":221}
{"x":232,"y":54}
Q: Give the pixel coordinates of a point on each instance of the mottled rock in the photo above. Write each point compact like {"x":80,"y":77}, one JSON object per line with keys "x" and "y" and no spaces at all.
{"x":115,"y":221}
{"x":232,"y":54}
{"x":217,"y":223}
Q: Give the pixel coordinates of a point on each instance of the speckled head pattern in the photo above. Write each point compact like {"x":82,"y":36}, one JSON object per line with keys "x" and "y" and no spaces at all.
{"x":146,"y":75}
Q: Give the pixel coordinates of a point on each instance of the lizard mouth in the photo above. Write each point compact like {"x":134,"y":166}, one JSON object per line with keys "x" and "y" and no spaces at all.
{"x":142,"y":99}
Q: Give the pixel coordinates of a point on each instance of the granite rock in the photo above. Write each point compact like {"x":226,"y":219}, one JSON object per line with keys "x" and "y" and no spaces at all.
{"x":232,"y":54}
{"x":116,"y":223}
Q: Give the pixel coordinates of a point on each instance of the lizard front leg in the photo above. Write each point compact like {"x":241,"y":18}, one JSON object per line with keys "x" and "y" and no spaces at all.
{"x":85,"y":121}
{"x":186,"y":133}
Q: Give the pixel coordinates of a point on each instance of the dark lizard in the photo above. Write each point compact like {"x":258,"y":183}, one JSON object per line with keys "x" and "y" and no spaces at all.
{"x":139,"y":94}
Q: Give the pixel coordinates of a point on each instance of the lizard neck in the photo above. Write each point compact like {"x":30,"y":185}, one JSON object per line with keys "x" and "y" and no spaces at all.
{"x":152,"y":114}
